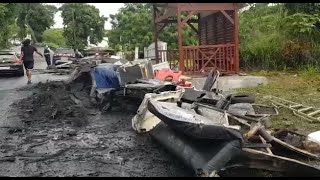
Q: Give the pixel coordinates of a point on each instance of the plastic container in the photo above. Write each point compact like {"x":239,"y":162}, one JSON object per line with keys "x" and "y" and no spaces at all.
{"x":165,"y":74}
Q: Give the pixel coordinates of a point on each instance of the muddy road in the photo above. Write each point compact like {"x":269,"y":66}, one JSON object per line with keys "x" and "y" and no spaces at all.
{"x":8,"y":91}
{"x":105,"y":146}
{"x":8,"y":82}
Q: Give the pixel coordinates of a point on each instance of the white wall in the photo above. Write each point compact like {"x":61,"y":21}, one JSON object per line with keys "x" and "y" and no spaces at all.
{"x":149,"y":52}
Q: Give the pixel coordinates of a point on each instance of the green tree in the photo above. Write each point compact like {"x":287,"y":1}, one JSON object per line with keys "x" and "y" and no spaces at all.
{"x":132,"y":27}
{"x":80,"y":22}
{"x":7,"y":19}
{"x":308,"y":8}
{"x":261,"y":36}
{"x":54,"y":37}
{"x":35,"y":18}
{"x":278,"y":37}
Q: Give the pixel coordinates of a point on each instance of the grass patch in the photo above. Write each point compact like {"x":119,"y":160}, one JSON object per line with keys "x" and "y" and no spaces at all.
{"x":301,"y":87}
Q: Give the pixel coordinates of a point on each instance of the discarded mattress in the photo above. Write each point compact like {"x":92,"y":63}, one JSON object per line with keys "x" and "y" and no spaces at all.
{"x":106,"y":76}
{"x":192,"y":124}
{"x":206,"y":158}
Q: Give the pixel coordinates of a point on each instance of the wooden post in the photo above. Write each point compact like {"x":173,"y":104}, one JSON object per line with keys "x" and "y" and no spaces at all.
{"x":180,"y":25}
{"x":199,"y":30}
{"x":155,"y":34}
{"x":236,"y":39}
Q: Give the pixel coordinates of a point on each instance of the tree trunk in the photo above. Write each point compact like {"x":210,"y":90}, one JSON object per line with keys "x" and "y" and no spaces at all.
{"x":26,"y":20}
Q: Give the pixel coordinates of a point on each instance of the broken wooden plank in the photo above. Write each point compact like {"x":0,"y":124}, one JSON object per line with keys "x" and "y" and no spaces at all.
{"x":275,"y":142}
{"x":260,"y":160}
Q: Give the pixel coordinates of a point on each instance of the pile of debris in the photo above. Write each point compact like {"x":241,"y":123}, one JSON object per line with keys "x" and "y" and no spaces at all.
{"x":105,"y":147}
{"x":55,"y":102}
{"x":208,"y":131}
{"x":211,"y":133}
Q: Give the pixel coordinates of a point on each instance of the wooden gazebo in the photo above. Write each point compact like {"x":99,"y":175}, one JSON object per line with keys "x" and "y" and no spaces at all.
{"x":217,"y":30}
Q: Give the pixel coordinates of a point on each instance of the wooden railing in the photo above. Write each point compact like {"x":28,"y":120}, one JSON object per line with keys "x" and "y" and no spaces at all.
{"x":199,"y":59}
{"x":171,"y":56}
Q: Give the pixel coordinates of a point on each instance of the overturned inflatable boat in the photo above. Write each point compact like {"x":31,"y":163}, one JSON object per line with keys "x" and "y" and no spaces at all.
{"x":193,"y":125}
{"x":208,"y":144}
{"x":208,"y":158}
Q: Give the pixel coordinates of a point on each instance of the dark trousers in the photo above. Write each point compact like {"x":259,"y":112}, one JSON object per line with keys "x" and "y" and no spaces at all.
{"x":48,"y":60}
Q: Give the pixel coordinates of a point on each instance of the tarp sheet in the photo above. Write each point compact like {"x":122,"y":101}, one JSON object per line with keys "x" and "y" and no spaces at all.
{"x":106,"y":76}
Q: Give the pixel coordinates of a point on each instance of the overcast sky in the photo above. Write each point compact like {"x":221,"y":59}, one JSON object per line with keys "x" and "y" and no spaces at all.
{"x":105,"y":9}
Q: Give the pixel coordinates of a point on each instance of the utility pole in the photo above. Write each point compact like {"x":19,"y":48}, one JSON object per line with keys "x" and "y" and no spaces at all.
{"x":74,"y":28}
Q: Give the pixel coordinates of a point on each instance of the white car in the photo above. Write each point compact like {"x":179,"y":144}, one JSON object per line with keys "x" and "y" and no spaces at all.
{"x":16,"y":43}
{"x":63,"y":57}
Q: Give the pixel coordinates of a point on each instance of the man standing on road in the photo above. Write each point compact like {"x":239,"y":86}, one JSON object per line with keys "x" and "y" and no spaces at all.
{"x":46,"y":53}
{"x":27,"y":51}
{"x":78,"y":55}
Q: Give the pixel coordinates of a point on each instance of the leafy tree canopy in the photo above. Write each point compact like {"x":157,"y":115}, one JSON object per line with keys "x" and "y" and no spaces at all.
{"x":38,"y":17}
{"x":7,"y":22}
{"x":54,"y":37}
{"x":132,"y":27}
{"x":81,"y":21}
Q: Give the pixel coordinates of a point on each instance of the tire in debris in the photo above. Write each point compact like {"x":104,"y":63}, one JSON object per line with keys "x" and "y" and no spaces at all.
{"x":241,"y":98}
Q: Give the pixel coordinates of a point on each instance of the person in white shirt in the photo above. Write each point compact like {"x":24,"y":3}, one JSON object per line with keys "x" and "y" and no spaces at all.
{"x":47,"y":55}
{"x":78,"y":54}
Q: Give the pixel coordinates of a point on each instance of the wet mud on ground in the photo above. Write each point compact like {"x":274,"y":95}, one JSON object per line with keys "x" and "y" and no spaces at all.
{"x":105,"y":145}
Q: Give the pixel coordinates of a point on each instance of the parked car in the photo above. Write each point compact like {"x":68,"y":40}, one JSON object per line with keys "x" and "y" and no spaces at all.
{"x":17,"y":43}
{"x":10,"y":63}
{"x":63,"y":55}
